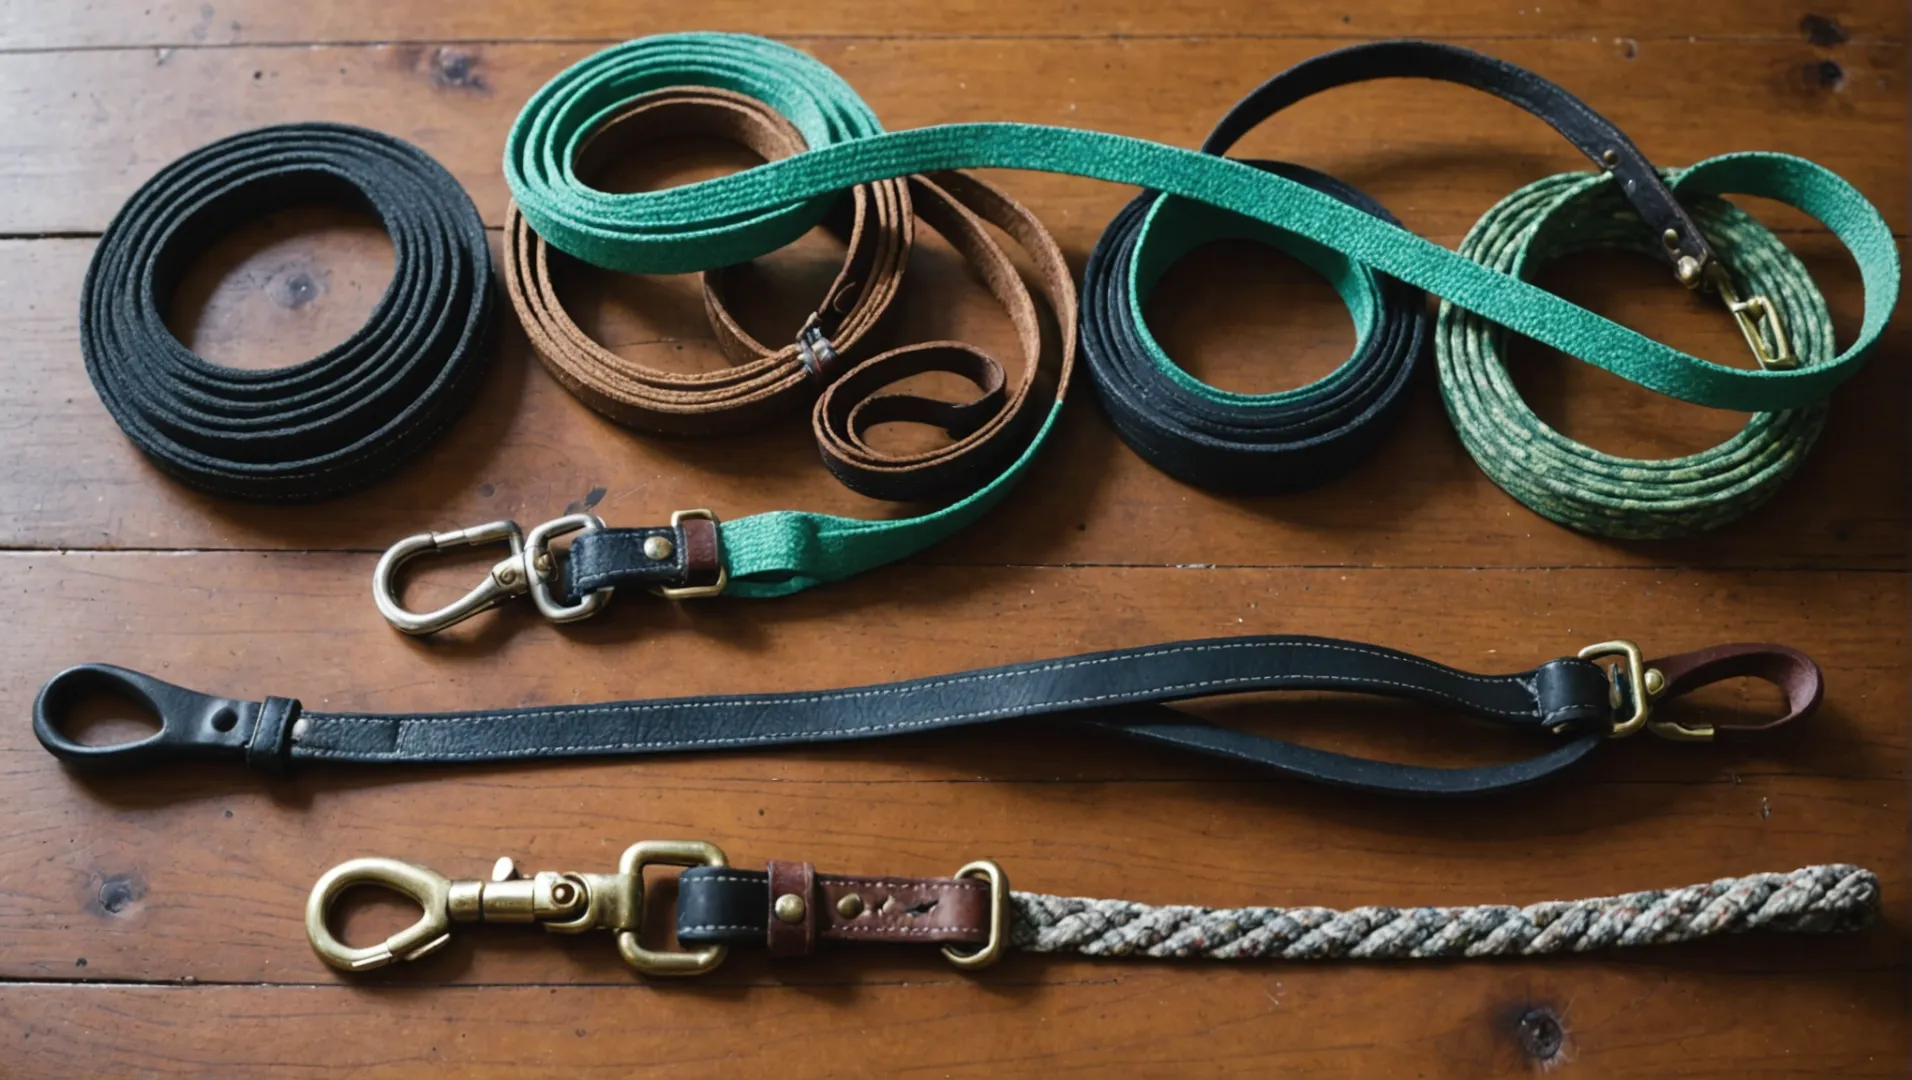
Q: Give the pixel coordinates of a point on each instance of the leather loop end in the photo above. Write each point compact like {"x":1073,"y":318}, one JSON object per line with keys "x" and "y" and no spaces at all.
{"x":1795,"y":673}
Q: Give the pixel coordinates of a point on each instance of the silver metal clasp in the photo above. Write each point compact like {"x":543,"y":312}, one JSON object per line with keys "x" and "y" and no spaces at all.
{"x":529,"y":568}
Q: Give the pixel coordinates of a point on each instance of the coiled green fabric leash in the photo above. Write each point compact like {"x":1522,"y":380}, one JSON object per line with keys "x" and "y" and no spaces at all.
{"x":739,"y":217}
{"x":1575,"y":484}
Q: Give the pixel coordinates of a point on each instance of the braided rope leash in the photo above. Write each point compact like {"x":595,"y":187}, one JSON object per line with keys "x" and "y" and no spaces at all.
{"x":1834,"y":898}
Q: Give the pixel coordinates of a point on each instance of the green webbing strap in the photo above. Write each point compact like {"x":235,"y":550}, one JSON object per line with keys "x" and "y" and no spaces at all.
{"x":1575,"y":484}
{"x":740,"y":217}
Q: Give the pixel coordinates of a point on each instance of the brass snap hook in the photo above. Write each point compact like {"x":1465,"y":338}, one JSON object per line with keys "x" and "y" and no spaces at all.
{"x":506,"y":580}
{"x":1749,"y":314}
{"x":428,"y":934}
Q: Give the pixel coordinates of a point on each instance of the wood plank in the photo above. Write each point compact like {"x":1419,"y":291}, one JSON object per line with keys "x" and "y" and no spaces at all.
{"x":1247,"y":319}
{"x":199,"y":872}
{"x":86,"y":128}
{"x":106,"y":23}
{"x":1498,"y":1020}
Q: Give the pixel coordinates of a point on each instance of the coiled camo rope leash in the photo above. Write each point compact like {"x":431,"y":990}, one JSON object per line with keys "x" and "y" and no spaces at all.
{"x":1575,"y":484}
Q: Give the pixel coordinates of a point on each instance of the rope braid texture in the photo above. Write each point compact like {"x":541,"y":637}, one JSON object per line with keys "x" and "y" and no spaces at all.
{"x":1827,"y":899}
{"x":1572,"y":483}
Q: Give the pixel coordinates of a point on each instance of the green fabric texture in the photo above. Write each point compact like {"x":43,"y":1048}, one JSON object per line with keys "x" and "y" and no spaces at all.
{"x":1575,"y":484}
{"x":1175,"y":227}
{"x":740,"y":217}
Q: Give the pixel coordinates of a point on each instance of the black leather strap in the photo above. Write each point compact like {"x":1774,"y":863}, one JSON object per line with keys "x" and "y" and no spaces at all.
{"x":1309,"y":435}
{"x":1566,"y":704}
{"x":1252,"y":447}
{"x":1593,"y":134}
{"x":331,"y":424}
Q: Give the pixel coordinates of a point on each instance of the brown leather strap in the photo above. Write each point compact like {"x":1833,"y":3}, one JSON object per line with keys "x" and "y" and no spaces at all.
{"x":761,"y":382}
{"x":1787,"y":668}
{"x":949,"y":911}
{"x":987,"y":433}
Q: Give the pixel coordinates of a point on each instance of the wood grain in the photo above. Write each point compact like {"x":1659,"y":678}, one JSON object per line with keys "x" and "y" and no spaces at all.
{"x":85,"y":129}
{"x":110,"y":23}
{"x":1257,"y":1022}
{"x":1113,"y":819}
{"x":69,"y":479}
{"x":151,"y":925}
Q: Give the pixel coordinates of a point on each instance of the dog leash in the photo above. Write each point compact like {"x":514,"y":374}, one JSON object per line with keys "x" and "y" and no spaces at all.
{"x":1606,"y":494}
{"x":735,"y":218}
{"x":974,"y":917}
{"x":337,"y":422}
{"x":991,"y":435}
{"x":1259,"y":443}
{"x":1571,"y":706}
{"x":760,"y":383}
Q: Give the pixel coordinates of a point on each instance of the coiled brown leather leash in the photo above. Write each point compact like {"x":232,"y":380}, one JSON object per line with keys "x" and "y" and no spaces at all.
{"x":824,"y":363}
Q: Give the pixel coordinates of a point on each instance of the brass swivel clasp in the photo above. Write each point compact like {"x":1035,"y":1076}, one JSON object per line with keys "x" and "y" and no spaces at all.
{"x":564,"y":903}
{"x":529,"y":568}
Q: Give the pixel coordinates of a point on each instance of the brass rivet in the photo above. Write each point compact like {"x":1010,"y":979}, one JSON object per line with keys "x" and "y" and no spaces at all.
{"x":850,"y":906}
{"x":1671,"y":238}
{"x":1610,"y":158}
{"x":1654,"y":681}
{"x":1687,"y":270}
{"x":544,"y":564}
{"x":658,"y":548}
{"x":790,"y":907}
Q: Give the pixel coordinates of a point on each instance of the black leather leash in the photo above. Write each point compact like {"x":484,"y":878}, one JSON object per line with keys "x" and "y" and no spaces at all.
{"x":1256,"y":444}
{"x":1571,"y":705}
{"x":329,"y":425}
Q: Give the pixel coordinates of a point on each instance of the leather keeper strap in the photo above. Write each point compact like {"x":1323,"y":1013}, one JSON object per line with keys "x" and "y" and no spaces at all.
{"x":343,"y":419}
{"x":875,"y":220}
{"x":791,"y":907}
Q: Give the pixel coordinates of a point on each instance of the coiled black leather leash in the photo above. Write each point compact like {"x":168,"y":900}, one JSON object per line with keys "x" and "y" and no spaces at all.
{"x":1260,"y":443}
{"x":341,"y":420}
{"x":1571,"y":705}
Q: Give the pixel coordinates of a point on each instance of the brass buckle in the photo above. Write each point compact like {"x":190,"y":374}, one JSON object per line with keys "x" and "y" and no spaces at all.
{"x":696,"y":592}
{"x":631,"y":869}
{"x":1643,"y":683}
{"x":564,"y":903}
{"x":1748,"y":314}
{"x":998,"y":917}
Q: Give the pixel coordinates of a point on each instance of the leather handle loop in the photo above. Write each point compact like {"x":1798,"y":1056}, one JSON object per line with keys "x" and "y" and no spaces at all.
{"x":958,"y":419}
{"x":1795,"y":673}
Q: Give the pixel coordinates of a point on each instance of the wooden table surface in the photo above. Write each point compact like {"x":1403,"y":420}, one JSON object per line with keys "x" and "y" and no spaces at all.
{"x":152,"y":925}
